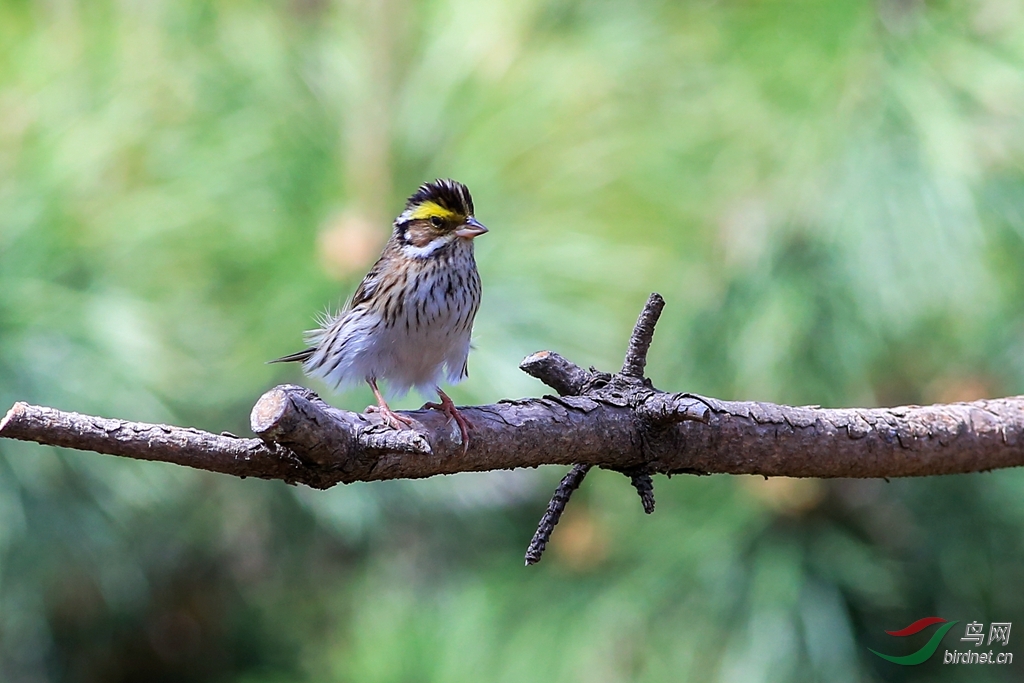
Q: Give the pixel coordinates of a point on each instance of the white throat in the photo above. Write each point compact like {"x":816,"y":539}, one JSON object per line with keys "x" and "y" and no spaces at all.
{"x":427,"y":249}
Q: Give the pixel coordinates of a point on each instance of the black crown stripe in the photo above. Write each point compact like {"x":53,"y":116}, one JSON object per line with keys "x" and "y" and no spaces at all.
{"x":450,"y":194}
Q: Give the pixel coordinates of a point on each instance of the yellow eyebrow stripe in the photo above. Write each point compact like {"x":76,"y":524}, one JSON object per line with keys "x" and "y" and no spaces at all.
{"x":429,"y":209}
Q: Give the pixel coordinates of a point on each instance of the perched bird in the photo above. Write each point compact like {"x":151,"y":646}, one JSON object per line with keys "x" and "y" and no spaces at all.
{"x":410,"y":320}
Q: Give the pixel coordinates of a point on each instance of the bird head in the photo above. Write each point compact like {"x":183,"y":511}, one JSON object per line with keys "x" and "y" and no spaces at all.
{"x":436,"y":215}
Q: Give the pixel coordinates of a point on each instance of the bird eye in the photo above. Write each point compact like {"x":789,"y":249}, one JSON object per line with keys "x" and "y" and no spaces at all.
{"x":436,"y":221}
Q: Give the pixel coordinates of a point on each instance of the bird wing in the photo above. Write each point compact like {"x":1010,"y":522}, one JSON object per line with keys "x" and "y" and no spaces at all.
{"x":368,"y":286}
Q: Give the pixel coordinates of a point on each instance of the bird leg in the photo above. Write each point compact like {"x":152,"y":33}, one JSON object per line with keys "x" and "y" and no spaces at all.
{"x":390,"y":417}
{"x":448,"y":406}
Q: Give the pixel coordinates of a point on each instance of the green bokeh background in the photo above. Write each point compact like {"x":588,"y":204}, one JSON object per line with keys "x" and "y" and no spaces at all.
{"x":829,"y":194}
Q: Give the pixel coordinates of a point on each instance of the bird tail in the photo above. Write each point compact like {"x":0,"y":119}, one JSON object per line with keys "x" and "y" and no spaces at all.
{"x":300,"y":357}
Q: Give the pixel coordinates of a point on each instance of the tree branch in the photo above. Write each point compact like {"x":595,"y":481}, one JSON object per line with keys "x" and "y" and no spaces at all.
{"x":314,"y":444}
{"x":733,"y":437}
{"x":619,"y":422}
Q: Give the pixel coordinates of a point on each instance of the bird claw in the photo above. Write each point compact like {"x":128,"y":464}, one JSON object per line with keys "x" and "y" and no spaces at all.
{"x":388,"y":416}
{"x":391,"y":418}
{"x":447,"y":406}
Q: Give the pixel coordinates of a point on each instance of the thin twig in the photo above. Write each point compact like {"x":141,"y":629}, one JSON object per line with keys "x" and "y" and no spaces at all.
{"x":640,"y":340}
{"x":569,"y":483}
{"x":644,"y":486}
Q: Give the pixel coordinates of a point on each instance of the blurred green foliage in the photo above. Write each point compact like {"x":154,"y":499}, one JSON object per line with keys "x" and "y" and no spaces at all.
{"x":830,"y":196}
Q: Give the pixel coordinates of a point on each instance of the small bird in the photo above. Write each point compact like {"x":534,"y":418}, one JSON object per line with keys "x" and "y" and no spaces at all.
{"x":410,"y":320}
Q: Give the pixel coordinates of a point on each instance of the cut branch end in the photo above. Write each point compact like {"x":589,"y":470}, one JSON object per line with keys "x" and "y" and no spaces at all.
{"x":559,"y":373}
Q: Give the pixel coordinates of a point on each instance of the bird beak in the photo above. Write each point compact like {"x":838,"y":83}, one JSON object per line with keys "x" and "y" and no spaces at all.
{"x":471,"y":228}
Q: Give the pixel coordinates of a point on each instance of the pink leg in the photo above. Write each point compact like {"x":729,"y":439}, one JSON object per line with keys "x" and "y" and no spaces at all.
{"x":448,"y":406}
{"x":390,"y":417}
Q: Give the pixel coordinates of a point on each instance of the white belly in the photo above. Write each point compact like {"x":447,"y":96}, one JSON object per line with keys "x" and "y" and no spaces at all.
{"x":426,"y":341}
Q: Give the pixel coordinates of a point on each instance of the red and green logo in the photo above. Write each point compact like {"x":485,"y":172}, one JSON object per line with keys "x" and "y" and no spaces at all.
{"x":928,"y":649}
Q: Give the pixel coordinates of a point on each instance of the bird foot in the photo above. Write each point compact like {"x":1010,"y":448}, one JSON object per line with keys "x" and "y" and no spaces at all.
{"x":447,"y":406}
{"x":390,"y":417}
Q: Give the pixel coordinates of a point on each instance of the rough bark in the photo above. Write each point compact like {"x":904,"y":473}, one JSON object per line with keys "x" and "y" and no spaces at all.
{"x":611,"y":428}
{"x":615,"y":421}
